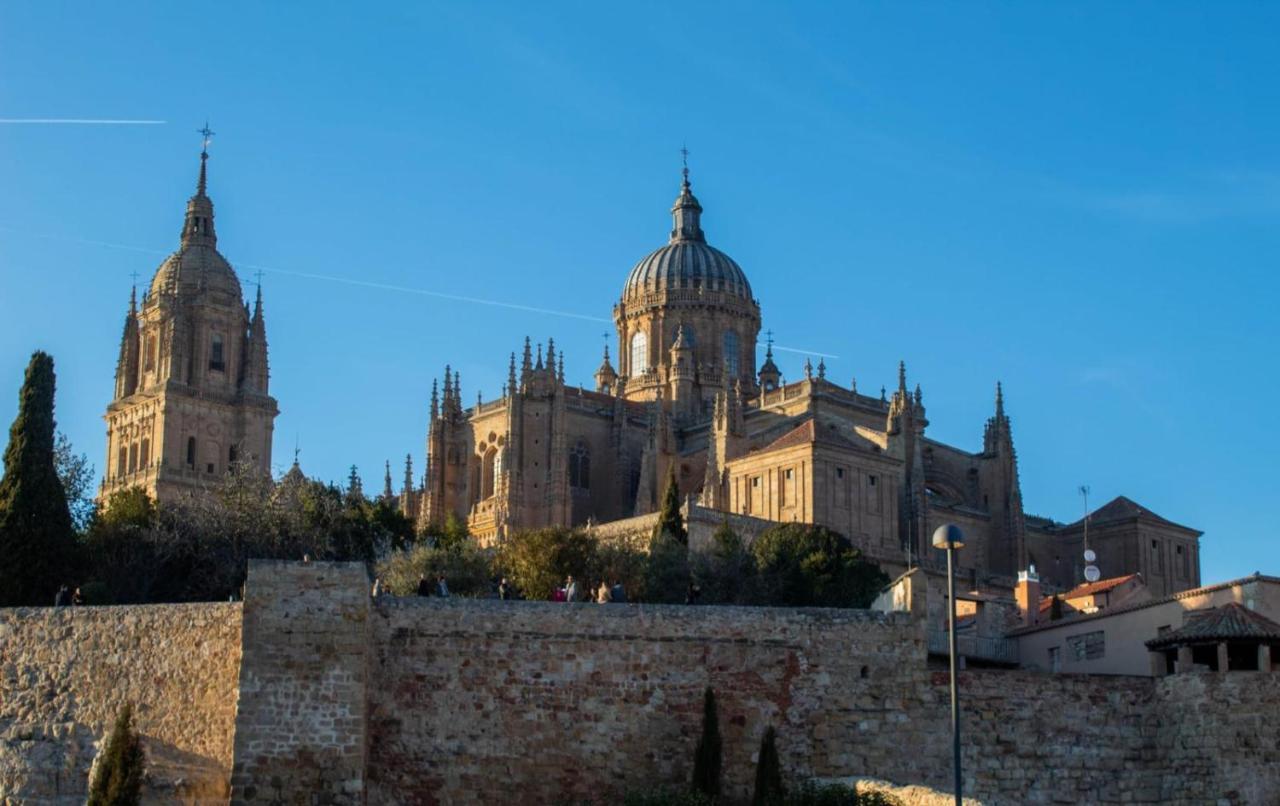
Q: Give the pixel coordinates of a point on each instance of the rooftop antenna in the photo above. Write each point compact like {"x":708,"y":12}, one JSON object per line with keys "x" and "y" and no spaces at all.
{"x":1091,"y":571}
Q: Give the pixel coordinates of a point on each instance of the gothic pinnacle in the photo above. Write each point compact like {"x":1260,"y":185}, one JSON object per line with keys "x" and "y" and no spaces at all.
{"x":902,"y":377}
{"x":539,"y":364}
{"x":999,"y":400}
{"x":822,"y":369}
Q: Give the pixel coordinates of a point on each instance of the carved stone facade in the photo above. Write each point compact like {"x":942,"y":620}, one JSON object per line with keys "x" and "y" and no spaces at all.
{"x":686,"y":396}
{"x":191,"y":393}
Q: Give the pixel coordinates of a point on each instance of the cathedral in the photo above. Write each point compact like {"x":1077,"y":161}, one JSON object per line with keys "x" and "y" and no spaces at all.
{"x":686,"y":400}
{"x":191,"y":396}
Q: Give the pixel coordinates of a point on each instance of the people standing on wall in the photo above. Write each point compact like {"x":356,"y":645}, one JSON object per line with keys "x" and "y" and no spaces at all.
{"x":602,"y":593}
{"x":504,"y":590}
{"x":571,"y":589}
{"x":442,"y":587}
{"x":618,"y":594}
{"x":77,"y":598}
{"x":377,"y":587}
{"x":424,"y":587}
{"x":63,"y":598}
{"x":692,"y":594}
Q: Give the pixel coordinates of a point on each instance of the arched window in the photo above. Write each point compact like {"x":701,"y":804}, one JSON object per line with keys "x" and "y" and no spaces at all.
{"x":487,"y":474}
{"x":191,"y":452}
{"x":216,"y":358}
{"x":580,"y":467}
{"x":731,"y":352}
{"x":133,"y":457}
{"x":122,"y":461}
{"x":639,"y":354}
{"x":144,"y":455}
{"x":149,"y":359}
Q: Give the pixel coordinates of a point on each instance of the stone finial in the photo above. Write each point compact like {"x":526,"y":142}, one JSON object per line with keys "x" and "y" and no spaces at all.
{"x":527,"y":364}
{"x":808,"y":370}
{"x":999,"y":400}
{"x":902,"y":377}
{"x":822,"y":369}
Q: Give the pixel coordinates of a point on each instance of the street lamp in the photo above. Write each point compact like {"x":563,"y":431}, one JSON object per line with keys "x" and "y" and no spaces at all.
{"x":949,"y":537}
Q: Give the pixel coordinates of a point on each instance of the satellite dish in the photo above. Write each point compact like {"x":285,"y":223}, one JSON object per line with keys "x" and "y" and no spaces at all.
{"x":1090,"y":555}
{"x":1091,"y":573}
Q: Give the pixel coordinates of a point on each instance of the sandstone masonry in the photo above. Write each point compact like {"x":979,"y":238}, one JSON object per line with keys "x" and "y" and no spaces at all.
{"x":341,"y":699}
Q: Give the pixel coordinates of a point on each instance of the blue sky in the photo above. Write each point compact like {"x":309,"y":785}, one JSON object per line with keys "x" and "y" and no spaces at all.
{"x":1080,"y":200}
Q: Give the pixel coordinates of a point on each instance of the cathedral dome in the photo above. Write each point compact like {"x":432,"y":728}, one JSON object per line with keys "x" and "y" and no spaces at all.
{"x":687,"y":261}
{"x":197,"y":266}
{"x":193,"y":269}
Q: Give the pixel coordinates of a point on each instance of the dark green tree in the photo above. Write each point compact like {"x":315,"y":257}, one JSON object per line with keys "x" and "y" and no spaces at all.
{"x":37,"y":540}
{"x":669,"y":518}
{"x":666,"y":578}
{"x":1055,"y":608}
{"x":768,"y":789}
{"x":117,"y":781}
{"x":707,"y":760}
{"x":803,"y":565}
{"x":454,"y":533}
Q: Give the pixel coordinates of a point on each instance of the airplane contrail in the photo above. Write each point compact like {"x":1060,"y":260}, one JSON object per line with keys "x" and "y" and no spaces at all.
{"x":376,"y":285}
{"x":86,"y":121}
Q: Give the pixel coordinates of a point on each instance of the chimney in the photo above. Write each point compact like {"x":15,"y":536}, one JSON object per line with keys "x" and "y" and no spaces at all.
{"x":1027,"y":594}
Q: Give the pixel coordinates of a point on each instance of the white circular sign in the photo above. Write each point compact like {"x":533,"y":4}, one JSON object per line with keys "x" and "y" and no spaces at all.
{"x":1090,"y":555}
{"x":1092,"y":573}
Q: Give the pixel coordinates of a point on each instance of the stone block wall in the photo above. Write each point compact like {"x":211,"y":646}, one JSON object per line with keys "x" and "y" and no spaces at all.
{"x":65,"y":673}
{"x":1218,"y":737}
{"x":300,"y":719}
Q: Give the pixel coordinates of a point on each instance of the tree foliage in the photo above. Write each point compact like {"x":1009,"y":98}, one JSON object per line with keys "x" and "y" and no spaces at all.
{"x":37,"y":538}
{"x":468,"y":568}
{"x":803,"y":565}
{"x":726,"y":570}
{"x":707,"y":759}
{"x":117,"y":779}
{"x":670,"y":520}
{"x":539,"y":560}
{"x":76,"y":475}
{"x":768,"y":789}
{"x":197,"y":548}
{"x":667,"y":572}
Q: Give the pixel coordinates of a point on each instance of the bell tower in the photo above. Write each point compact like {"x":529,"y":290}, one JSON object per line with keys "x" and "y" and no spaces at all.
{"x":191,"y":391}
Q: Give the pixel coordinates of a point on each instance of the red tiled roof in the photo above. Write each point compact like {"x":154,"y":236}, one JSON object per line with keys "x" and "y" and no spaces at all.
{"x":1090,"y":589}
{"x":1232,"y":621}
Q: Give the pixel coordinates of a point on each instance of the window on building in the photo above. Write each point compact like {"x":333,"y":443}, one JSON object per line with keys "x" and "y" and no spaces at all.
{"x":232,"y":455}
{"x":639,"y":354}
{"x":133,"y":457}
{"x":191,"y":452}
{"x":580,"y":467}
{"x":217,"y":360}
{"x":149,"y":355}
{"x":1089,"y":646}
{"x":122,"y":461}
{"x":731,"y":351}
{"x":144,"y":453}
{"x":839,"y":472}
{"x":871,"y":481}
{"x":1055,"y":658}
{"x":788,"y":488}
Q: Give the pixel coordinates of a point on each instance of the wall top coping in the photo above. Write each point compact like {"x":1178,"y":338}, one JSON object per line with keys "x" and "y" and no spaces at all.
{"x":114,"y":611}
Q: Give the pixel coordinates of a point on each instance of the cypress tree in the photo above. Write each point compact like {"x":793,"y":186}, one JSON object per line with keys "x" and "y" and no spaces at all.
{"x":768,"y":788}
{"x":707,"y":760}
{"x":117,"y":781}
{"x":37,"y":541}
{"x":669,"y":519}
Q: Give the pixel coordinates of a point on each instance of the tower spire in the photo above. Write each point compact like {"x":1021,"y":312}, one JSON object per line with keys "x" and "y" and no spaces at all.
{"x":198,"y":227}
{"x":686,"y":212}
{"x":207,"y":134}
{"x":999,"y":401}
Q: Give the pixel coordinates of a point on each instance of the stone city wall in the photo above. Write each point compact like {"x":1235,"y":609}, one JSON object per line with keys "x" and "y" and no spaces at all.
{"x":346,"y":700}
{"x":65,"y":673}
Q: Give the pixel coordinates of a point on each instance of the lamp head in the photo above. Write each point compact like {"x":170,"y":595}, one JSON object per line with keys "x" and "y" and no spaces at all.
{"x":948,"y":536}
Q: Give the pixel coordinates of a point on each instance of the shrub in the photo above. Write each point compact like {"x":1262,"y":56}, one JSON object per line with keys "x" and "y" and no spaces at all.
{"x":707,"y":759}
{"x":538,"y":561}
{"x":667,"y":575}
{"x":667,"y":797}
{"x":768,"y":790}
{"x":812,"y":794}
{"x":802,"y":565}
{"x":726,"y":570}
{"x":468,"y":569}
{"x":117,"y":779}
{"x":669,"y":518}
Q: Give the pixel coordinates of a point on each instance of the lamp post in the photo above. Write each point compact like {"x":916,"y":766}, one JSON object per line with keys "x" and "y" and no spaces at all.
{"x":949,"y":537}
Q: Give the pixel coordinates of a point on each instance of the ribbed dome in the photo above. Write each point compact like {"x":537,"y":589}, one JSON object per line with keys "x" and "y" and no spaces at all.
{"x":195,"y":268}
{"x":687,"y":264}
